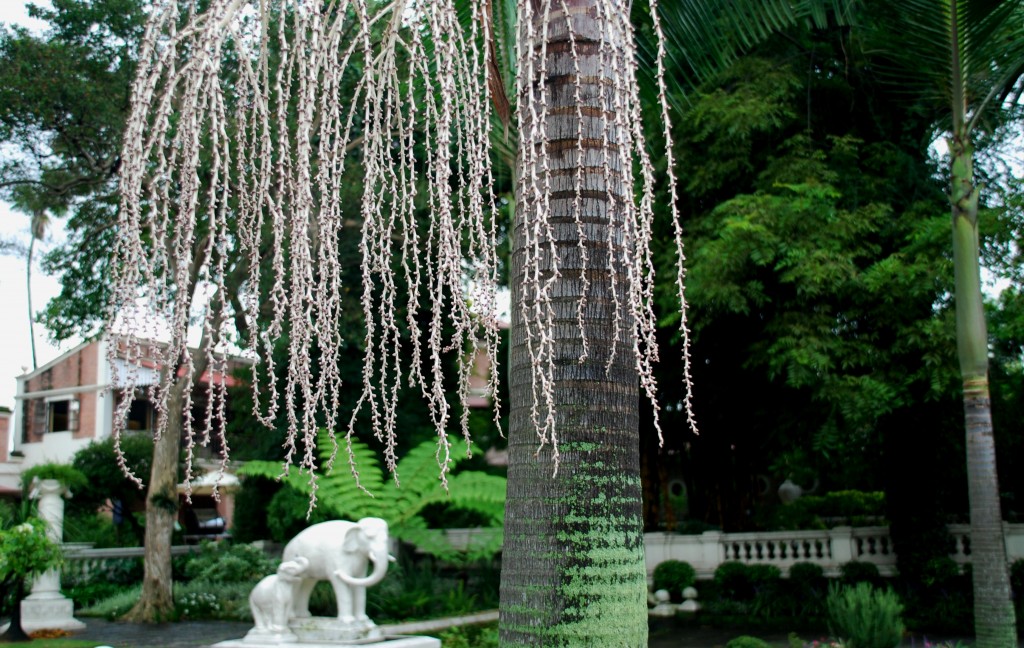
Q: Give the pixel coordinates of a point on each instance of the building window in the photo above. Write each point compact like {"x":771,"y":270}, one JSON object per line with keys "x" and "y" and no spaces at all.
{"x":140,"y":415}
{"x":62,"y":415}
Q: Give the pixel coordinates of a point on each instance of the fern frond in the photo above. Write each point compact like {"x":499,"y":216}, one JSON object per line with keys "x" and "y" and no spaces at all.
{"x":480,"y":492}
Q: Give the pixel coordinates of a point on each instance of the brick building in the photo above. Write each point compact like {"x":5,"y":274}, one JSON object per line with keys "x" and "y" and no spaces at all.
{"x":68,"y":403}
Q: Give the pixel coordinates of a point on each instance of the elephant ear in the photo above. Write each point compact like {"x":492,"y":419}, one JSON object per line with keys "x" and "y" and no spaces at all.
{"x":355,"y":539}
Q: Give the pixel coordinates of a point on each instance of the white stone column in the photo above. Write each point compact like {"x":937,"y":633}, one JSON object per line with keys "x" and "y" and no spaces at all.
{"x":46,"y":608}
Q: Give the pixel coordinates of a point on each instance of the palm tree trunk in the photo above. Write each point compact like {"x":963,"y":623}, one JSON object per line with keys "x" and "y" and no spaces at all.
{"x":994,"y":617}
{"x":573,"y":564}
{"x":28,"y":292}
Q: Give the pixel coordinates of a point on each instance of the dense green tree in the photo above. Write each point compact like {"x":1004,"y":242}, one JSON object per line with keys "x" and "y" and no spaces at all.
{"x":802,"y":240}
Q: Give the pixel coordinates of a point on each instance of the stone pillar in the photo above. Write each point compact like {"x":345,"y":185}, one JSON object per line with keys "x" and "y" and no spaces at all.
{"x":843,"y":548}
{"x":46,"y":608}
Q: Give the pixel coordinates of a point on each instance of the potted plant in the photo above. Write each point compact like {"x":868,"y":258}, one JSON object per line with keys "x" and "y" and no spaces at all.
{"x":25,"y":550}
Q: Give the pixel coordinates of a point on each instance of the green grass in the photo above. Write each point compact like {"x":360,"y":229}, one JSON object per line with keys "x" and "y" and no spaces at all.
{"x":55,"y":643}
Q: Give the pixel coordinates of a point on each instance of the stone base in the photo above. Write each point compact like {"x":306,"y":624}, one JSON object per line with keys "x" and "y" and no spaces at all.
{"x":49,"y":614}
{"x":333,"y":630}
{"x":381,"y":642}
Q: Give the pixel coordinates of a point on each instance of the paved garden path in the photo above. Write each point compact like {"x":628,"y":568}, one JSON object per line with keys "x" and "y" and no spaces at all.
{"x":197,"y":634}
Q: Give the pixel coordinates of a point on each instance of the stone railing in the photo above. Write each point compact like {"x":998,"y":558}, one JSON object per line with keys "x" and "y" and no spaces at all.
{"x":81,"y":560}
{"x":829,"y":548}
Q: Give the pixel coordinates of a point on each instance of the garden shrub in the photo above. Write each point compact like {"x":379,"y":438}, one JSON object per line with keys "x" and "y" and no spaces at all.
{"x":763,"y":574}
{"x":286,"y":514}
{"x":198,"y":601}
{"x":803,"y":594}
{"x":97,"y":529}
{"x":939,"y":572}
{"x":855,"y":572}
{"x":674,"y":576}
{"x":480,"y":636}
{"x":806,"y":574}
{"x":89,"y":594}
{"x":114,"y":606}
{"x":865,"y":617}
{"x":733,"y":581}
{"x":746,"y":641}
{"x":229,"y":563}
{"x":69,"y":476}
{"x":1017,"y":576}
{"x":851,"y":507}
{"x":941,"y":599}
{"x":766,"y":582}
{"x":252,"y":501}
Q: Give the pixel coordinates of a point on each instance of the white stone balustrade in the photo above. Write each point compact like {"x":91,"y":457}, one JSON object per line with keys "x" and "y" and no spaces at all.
{"x":829,"y":548}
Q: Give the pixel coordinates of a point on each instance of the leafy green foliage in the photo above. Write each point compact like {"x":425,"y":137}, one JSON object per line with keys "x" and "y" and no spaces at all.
{"x":856,"y":572}
{"x":485,"y":636}
{"x":746,"y":641}
{"x":115,"y":606}
{"x":97,"y":529}
{"x":63,"y":103}
{"x":286,"y":514}
{"x":1017,"y":576}
{"x":224,"y":562}
{"x":865,"y":617}
{"x":97,"y":461}
{"x":733,"y":580}
{"x":25,"y":549}
{"x":837,"y":508}
{"x":69,"y":476}
{"x":804,"y":593}
{"x":807,"y":574}
{"x":251,"y":518}
{"x":339,"y":496}
{"x":674,"y":576}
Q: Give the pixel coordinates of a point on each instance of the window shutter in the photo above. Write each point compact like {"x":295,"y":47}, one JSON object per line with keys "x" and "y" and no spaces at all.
{"x":39,"y":417}
{"x":73,"y":406}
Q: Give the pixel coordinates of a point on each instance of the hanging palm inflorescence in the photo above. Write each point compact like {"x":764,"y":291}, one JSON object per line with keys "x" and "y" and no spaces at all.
{"x":241,"y":134}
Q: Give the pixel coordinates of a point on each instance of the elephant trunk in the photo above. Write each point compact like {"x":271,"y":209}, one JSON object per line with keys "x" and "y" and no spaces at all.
{"x":380,"y":567}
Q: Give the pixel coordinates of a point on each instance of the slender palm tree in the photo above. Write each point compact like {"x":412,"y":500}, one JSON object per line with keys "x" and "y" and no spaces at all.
{"x":965,"y":58}
{"x":38,"y":227}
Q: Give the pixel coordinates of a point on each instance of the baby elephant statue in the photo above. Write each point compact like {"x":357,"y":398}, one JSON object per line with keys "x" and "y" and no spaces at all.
{"x":272,"y":599}
{"x":340,"y":551}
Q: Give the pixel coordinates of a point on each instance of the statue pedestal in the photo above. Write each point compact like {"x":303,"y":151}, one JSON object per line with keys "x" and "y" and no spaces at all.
{"x":330,"y":629}
{"x":380,"y":642}
{"x":46,"y":608}
{"x":324,"y":632}
{"x":49,"y":614}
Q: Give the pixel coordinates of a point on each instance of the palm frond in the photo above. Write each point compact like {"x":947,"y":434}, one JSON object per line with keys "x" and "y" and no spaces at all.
{"x":704,"y":38}
{"x":969,"y":55}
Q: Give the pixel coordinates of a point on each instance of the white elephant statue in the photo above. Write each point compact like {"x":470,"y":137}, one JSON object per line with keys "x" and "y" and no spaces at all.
{"x":273,"y":598}
{"x":340,"y":551}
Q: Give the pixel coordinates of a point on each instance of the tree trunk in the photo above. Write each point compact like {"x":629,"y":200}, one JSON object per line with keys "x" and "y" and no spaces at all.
{"x":156,"y":604}
{"x":573,"y":563}
{"x":994,"y":617}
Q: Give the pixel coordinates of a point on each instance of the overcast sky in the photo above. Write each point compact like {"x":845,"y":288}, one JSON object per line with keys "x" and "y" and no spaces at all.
{"x":15,"y":350}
